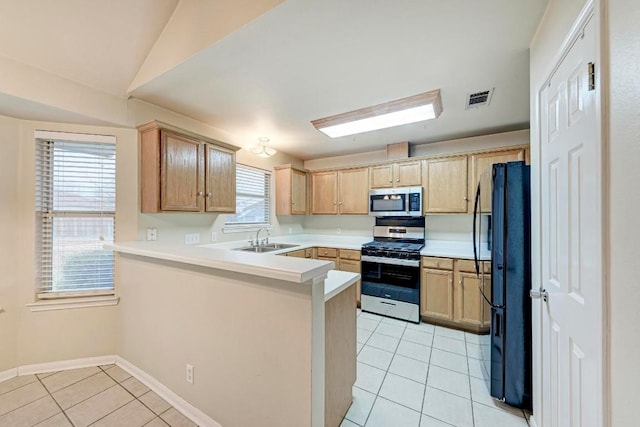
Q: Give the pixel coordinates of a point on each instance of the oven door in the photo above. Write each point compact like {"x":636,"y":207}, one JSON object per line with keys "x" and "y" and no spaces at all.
{"x":391,"y":281}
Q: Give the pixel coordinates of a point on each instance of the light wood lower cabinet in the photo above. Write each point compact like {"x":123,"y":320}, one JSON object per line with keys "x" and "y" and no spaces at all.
{"x":450,"y":293}
{"x":436,"y":294}
{"x":349,"y":260}
{"x":301,"y":253}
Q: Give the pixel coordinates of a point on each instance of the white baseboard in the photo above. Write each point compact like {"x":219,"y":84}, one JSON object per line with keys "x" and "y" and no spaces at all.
{"x":187,"y":409}
{"x":64,"y":365}
{"x":8,"y":374}
{"x":532,"y":421}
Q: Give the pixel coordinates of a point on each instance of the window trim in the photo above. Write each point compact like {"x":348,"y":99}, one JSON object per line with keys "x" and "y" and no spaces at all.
{"x":253,"y":226}
{"x":46,"y":300}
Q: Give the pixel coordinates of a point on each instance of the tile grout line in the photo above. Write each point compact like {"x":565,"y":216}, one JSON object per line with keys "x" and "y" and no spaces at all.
{"x":54,"y":401}
{"x":426,"y":381}
{"x":471,"y":400}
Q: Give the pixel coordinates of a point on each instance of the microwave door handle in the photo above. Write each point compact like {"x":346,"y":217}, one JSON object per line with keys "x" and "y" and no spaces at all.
{"x":475,"y":215}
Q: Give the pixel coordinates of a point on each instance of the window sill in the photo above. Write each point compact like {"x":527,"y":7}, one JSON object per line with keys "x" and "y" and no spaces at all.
{"x":71,"y":303}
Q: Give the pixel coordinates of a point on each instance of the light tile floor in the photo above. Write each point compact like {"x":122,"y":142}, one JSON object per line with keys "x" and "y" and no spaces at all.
{"x":408,"y":376}
{"x":422,"y":376}
{"x":96,"y":396}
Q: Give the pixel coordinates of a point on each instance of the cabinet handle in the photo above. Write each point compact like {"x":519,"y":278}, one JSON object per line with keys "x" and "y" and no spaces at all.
{"x":466,"y":198}
{"x":335,"y":203}
{"x":460,"y":282}
{"x":437,"y":263}
{"x":208,"y":194}
{"x":293,"y":203}
{"x":339,"y":203}
{"x":397,"y":179}
{"x":200,"y":193}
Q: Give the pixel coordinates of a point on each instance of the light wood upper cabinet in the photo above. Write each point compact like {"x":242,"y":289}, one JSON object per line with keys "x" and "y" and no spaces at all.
{"x":353,"y":191}
{"x":291,"y":191}
{"x":220,"y":179}
{"x":340,"y":192}
{"x":181,"y":183}
{"x":324,"y":193}
{"x":446,"y":185}
{"x":182,"y":172}
{"x":396,"y":175}
{"x":478,"y":163}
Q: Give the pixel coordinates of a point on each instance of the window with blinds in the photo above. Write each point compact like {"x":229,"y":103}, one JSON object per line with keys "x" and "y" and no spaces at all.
{"x":75,"y":216}
{"x":252,"y":197}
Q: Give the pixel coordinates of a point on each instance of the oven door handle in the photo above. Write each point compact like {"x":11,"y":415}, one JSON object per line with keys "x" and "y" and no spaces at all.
{"x":391,"y":261}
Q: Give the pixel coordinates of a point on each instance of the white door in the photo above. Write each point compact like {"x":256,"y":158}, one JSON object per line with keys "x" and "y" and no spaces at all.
{"x":571,"y":239}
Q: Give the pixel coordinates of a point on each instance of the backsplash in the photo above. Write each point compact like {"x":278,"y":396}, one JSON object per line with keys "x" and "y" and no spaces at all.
{"x":450,"y":227}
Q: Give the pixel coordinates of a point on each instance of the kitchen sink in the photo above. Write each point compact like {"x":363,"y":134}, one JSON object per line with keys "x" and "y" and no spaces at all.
{"x":266,"y":248}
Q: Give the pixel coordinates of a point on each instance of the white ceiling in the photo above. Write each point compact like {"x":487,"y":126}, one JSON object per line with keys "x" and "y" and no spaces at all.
{"x":300,"y":61}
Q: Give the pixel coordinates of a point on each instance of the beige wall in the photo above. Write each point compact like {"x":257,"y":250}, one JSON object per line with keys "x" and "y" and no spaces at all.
{"x":248,"y":339}
{"x":64,"y":334}
{"x":624,"y":208}
{"x":9,"y":235}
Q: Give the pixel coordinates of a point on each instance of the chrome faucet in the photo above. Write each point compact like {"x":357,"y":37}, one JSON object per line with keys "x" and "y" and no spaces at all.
{"x":266,"y":241}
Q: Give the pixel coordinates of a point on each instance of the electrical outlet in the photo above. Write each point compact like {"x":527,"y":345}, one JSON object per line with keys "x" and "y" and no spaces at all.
{"x":152,"y":234}
{"x":214,"y":236}
{"x":339,"y":230}
{"x":192,"y":239}
{"x":189,"y":374}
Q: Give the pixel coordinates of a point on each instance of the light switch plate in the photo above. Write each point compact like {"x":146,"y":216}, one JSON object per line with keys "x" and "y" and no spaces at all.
{"x":152,"y":234}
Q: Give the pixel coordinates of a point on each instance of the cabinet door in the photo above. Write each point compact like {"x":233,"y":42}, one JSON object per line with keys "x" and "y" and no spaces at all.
{"x":353,"y":185}
{"x":436,"y":294}
{"x":298,"y":192}
{"x":354,"y":267}
{"x":406,"y":174}
{"x":300,"y":253}
{"x":381,"y":176}
{"x":469,"y":302}
{"x":283,"y":191}
{"x":483,"y":161}
{"x":324,"y":193}
{"x":220,"y":180}
{"x":181,"y":185}
{"x":446,"y":190}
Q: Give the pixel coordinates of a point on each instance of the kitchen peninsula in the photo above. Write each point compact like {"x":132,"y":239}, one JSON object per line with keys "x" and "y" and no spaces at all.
{"x":271,"y":339}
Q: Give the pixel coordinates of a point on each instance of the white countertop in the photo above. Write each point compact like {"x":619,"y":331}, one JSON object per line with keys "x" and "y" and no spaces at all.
{"x":453,"y":249}
{"x":291,"y":269}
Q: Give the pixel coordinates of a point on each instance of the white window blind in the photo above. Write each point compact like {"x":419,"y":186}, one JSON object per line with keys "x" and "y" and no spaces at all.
{"x":75,"y":216}
{"x":252,"y":196}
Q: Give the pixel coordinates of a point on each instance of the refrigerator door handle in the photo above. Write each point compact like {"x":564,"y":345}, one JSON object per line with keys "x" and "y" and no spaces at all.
{"x":475,"y":215}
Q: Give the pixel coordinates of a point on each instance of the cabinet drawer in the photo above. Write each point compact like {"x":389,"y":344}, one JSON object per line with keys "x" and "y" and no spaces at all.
{"x":435,"y":262}
{"x":327,"y":252}
{"x":350,"y":265}
{"x":308,"y":253}
{"x":469,"y":266}
{"x":349,"y":254}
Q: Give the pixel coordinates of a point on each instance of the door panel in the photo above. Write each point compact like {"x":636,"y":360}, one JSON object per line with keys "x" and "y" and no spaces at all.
{"x":571,"y":227}
{"x":220,"y":181}
{"x":181,"y":171}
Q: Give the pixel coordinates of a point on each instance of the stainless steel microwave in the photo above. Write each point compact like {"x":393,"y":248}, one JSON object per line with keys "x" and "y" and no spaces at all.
{"x":401,"y":201}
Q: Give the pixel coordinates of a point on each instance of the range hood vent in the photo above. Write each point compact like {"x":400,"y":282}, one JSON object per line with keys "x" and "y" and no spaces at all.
{"x":478,"y":99}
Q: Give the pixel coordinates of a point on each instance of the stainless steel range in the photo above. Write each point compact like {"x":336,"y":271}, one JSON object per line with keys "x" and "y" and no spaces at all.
{"x":391,"y":268}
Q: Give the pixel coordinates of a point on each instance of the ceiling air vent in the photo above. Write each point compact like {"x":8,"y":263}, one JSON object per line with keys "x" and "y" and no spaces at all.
{"x":478,"y":99}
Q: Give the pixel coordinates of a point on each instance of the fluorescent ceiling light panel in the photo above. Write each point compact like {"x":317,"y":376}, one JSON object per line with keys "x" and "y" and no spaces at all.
{"x":425,"y":106}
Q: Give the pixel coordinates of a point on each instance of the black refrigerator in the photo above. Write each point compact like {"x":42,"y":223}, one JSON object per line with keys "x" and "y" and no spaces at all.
{"x":508,"y":347}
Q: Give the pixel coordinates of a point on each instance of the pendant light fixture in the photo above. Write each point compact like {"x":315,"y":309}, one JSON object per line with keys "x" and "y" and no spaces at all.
{"x":263,"y":149}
